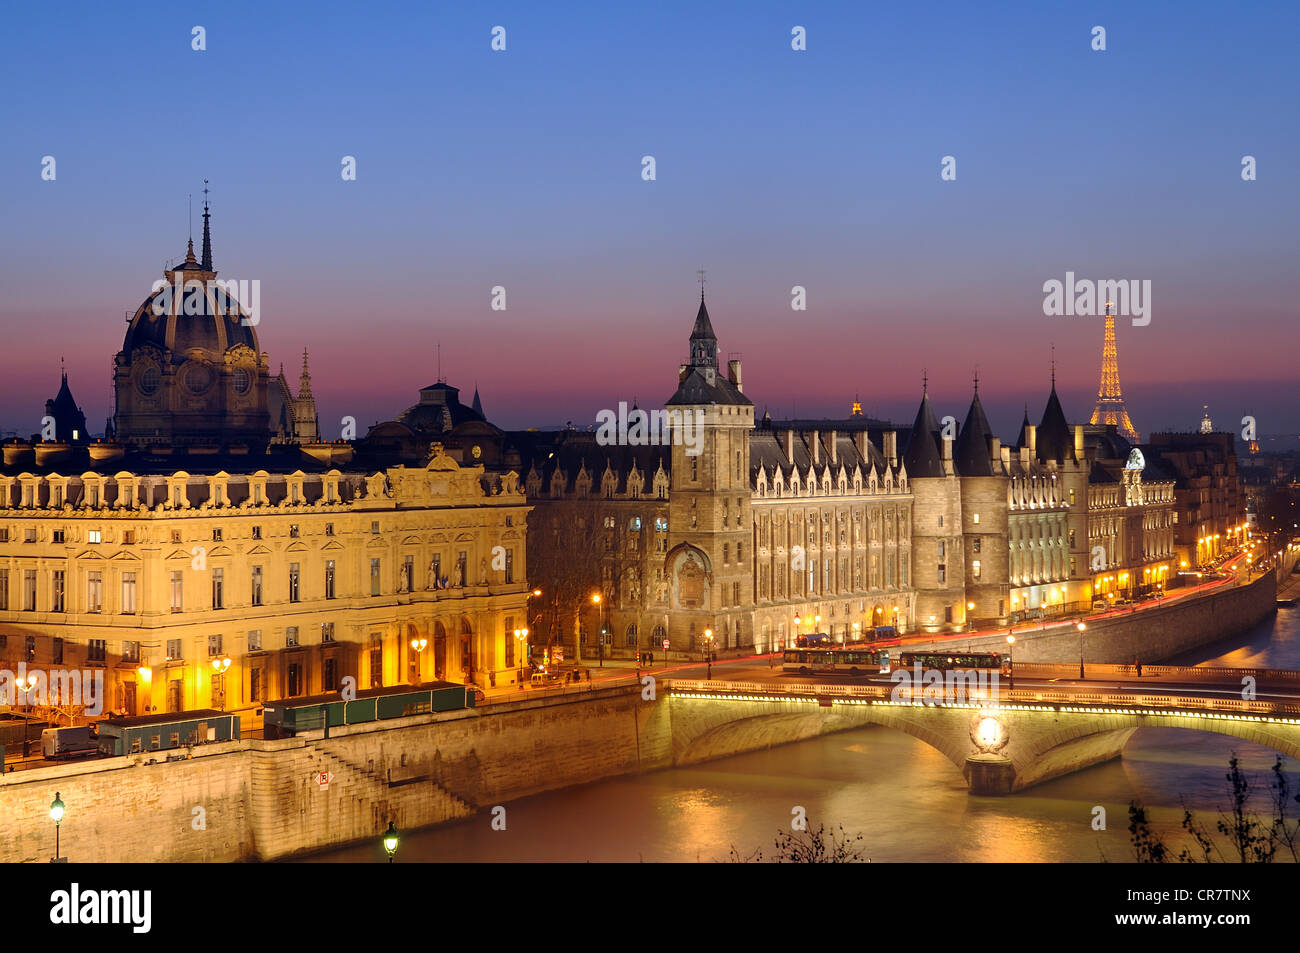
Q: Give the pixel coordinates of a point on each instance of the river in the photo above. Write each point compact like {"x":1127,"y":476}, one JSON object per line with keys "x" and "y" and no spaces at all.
{"x":907,"y":800}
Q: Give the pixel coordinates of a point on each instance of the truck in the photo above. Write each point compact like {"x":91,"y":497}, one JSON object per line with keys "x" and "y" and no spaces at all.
{"x":59,"y":744}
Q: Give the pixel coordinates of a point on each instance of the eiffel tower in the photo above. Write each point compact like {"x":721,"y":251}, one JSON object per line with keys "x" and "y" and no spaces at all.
{"x":1110,"y":399}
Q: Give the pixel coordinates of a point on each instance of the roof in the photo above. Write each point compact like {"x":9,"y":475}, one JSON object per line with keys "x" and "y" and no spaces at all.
{"x":135,"y":721}
{"x":707,"y":386}
{"x":1053,"y":438}
{"x":922,"y":457}
{"x":973,"y":453}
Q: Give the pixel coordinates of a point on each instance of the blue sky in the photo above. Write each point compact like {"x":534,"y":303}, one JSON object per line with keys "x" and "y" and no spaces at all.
{"x":775,"y":168}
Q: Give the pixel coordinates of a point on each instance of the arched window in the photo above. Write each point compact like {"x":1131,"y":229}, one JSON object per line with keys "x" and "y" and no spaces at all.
{"x":631,"y":635}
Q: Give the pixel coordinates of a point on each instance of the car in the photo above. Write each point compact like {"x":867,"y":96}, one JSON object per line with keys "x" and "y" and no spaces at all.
{"x":1100,"y":605}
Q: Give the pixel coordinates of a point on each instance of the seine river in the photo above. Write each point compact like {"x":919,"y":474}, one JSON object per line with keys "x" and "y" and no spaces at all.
{"x":907,"y":800}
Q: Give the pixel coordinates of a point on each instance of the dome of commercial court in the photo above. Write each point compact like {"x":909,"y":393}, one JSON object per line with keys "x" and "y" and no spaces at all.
{"x":191,"y":312}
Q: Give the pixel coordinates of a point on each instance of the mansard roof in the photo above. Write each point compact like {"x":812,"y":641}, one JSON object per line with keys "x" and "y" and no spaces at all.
{"x":767,"y":450}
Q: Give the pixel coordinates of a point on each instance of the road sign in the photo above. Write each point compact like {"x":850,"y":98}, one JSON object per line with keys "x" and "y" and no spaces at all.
{"x":323,"y":778}
{"x":666,"y":645}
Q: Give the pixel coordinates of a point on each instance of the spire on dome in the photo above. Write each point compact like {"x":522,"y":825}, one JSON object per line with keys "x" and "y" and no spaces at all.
{"x":477,"y":405}
{"x":207,"y":235}
{"x":189,"y":255}
{"x":704,"y":343}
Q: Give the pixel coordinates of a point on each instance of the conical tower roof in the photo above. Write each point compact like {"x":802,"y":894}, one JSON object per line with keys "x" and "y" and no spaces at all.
{"x":1053,"y":438}
{"x":922,"y":457}
{"x":975,"y":442}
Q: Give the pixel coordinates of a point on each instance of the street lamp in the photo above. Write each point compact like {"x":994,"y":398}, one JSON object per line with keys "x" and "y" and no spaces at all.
{"x":1011,"y":659}
{"x":418,"y":645}
{"x":970,"y":621}
{"x":56,"y":815}
{"x":708,"y":653}
{"x":25,"y":685}
{"x":600,"y":609}
{"x":390,"y":841}
{"x":1081,"y":627}
{"x":522,"y":635}
{"x":219,"y":668}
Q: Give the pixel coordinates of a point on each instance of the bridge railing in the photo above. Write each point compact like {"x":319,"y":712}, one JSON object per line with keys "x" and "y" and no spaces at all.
{"x":1186,"y":673}
{"x":1030,"y":696}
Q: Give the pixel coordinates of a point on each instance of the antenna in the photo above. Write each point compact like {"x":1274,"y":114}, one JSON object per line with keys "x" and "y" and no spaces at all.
{"x":439,"y":362}
{"x":190,"y":196}
{"x":700,"y":272}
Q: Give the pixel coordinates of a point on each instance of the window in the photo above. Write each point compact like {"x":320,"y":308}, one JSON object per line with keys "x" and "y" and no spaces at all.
{"x":29,"y":535}
{"x":635,"y":524}
{"x":329,"y":579}
{"x":29,"y":590}
{"x":128,"y":593}
{"x":726,"y":553}
{"x":1072,"y":539}
{"x":510,"y":565}
{"x":176,"y":536}
{"x":295,"y":680}
{"x":329,"y":529}
{"x":661,"y":524}
{"x":975,"y":518}
{"x":293,"y":582}
{"x":975,"y":545}
{"x":218,"y":588}
{"x":374,"y":527}
{"x":254,"y":640}
{"x":4,"y":535}
{"x":96,"y":650}
{"x":740,"y":552}
{"x":174,"y":650}
{"x":57,"y":600}
{"x":327,"y":631}
{"x":130,"y":651}
{"x":94,"y":536}
{"x":942,"y":548}
{"x":695,"y":470}
{"x":408,"y":572}
{"x":941,"y":521}
{"x":374,"y":577}
{"x":462,"y":566}
{"x":293,"y":530}
{"x":257,"y":532}
{"x":943,"y":573}
{"x":291,"y":638}
{"x":31,"y":648}
{"x":216,"y":535}
{"x":255,"y":684}
{"x":128,"y":537}
{"x":95,"y":592}
{"x":58,"y":536}
{"x":975,"y":568}
{"x":214,"y":645}
{"x":4,"y":588}
{"x":58,"y":651}
{"x":257,"y":586}
{"x":177,"y":591}
{"x":330,"y":675}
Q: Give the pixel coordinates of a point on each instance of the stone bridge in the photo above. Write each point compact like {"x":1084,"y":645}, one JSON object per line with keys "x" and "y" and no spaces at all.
{"x":1024,"y":738}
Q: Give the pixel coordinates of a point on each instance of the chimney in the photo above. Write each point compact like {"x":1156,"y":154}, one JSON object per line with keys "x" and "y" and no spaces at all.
{"x":948,"y":468}
{"x":1006,"y":458}
{"x":995,"y":453}
{"x":835,"y":451}
{"x":1078,"y":442}
{"x":891,"y":447}
{"x":681,"y":372}
{"x":1031,"y":438}
{"x":816,"y":443}
{"x":733,"y":372}
{"x":789,"y":445}
{"x":860,"y":441}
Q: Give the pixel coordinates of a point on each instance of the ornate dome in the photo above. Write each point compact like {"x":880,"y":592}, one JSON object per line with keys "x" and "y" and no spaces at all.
{"x":191,"y":311}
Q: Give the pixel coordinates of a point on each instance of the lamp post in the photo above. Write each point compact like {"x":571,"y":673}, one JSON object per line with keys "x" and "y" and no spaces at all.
{"x":390,"y":841}
{"x":219,"y":668}
{"x":522,"y":636}
{"x":1011,"y":659}
{"x":1082,"y":628}
{"x":600,"y":616}
{"x":708,"y":653}
{"x":970,"y":621}
{"x":56,"y":814}
{"x":418,"y":645}
{"x":25,"y":685}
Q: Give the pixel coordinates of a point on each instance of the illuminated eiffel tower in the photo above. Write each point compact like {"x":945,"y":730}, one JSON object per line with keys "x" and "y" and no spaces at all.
{"x":1110,"y":399}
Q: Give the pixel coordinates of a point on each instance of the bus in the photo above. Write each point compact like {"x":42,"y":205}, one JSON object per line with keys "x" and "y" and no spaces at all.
{"x":817,"y":639}
{"x":989,"y":661}
{"x":843,"y":661}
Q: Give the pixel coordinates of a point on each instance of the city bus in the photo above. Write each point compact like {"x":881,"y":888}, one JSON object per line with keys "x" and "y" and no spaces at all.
{"x":987,"y":661}
{"x":814,"y":640}
{"x":844,"y":661}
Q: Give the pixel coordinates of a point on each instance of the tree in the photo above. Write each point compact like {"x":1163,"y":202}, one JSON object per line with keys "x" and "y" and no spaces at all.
{"x":564,"y":558}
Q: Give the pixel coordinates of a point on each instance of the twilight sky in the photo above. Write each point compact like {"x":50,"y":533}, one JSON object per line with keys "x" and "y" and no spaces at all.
{"x":775,"y":168}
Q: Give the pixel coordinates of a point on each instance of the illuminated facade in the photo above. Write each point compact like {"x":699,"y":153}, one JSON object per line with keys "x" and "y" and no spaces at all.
{"x":289,"y":582}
